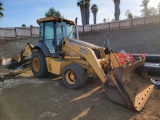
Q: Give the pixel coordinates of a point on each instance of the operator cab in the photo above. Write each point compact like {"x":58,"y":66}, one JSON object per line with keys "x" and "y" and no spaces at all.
{"x":53,"y":31}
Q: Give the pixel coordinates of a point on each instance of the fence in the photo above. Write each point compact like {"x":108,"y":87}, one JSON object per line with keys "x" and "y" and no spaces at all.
{"x":34,"y":31}
{"x":19,"y":32}
{"x":120,"y":24}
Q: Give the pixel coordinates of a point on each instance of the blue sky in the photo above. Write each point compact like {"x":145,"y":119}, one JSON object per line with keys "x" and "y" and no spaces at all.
{"x":18,"y":12}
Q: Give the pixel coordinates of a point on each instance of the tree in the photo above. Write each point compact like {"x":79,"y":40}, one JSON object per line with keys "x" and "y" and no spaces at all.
{"x":87,"y":11}
{"x":53,"y":13}
{"x":145,"y":9}
{"x":117,"y":9}
{"x":135,"y":16}
{"x":80,"y":4}
{"x":152,"y":11}
{"x":23,"y":25}
{"x":158,"y":8}
{"x":31,"y":26}
{"x":105,"y":20}
{"x":128,"y":14}
{"x":84,"y":6}
{"x":113,"y":20}
{"x":94,"y":9}
{"x":1,"y":9}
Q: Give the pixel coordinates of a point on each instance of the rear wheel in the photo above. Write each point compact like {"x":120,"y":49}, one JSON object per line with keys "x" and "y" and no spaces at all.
{"x":74,"y":76}
{"x":39,"y":65}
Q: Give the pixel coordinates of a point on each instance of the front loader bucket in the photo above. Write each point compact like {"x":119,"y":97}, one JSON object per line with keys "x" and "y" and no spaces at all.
{"x":129,"y":86}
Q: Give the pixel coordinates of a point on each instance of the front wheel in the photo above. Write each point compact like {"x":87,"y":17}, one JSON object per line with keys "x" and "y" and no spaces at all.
{"x":74,"y":76}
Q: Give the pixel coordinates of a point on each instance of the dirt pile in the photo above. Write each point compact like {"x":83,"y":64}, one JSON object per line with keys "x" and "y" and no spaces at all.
{"x":8,"y":48}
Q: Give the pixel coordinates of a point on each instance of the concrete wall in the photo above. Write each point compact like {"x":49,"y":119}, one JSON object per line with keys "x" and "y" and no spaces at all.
{"x":145,"y":39}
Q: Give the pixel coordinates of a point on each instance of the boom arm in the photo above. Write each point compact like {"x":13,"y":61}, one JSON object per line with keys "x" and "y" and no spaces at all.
{"x":90,"y":57}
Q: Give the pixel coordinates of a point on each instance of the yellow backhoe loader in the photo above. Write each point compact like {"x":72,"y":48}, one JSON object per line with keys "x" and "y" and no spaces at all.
{"x":59,"y":53}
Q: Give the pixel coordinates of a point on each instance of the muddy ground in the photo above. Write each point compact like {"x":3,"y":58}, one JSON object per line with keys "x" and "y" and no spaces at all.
{"x":28,"y":98}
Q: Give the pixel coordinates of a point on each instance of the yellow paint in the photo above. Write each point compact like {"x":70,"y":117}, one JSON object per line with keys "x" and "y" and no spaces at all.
{"x":46,"y":19}
{"x":36,"y":64}
{"x":72,"y":57}
{"x":70,"y":78}
{"x":115,"y":61}
{"x":48,"y":61}
{"x":27,"y":50}
{"x":20,"y":71}
{"x":82,"y":114}
{"x":90,"y":58}
{"x":57,"y":78}
{"x":58,"y":65}
{"x":86,"y":94}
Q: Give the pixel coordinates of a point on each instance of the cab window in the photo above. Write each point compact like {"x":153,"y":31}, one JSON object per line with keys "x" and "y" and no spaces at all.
{"x":63,"y":30}
{"x":49,"y":36}
{"x":41,"y":32}
{"x":49,"y":31}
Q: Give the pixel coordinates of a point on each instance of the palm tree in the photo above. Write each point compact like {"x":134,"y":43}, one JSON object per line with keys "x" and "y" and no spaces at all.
{"x":117,"y":9}
{"x":85,"y":10}
{"x":80,"y":4}
{"x":1,"y":9}
{"x":94,"y":9}
{"x":53,"y":13}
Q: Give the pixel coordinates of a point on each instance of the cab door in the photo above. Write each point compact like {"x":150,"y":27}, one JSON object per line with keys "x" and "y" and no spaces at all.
{"x":49,"y":35}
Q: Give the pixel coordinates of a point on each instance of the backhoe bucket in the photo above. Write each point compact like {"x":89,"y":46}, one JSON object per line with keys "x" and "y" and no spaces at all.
{"x":129,"y":86}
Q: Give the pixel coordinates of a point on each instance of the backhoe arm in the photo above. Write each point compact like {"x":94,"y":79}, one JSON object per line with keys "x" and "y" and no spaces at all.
{"x":19,"y":64}
{"x":26,"y":52}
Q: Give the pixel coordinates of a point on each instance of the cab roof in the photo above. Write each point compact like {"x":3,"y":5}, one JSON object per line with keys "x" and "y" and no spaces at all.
{"x":46,"y":19}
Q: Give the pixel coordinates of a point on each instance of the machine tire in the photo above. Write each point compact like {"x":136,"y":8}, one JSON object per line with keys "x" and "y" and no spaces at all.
{"x":79,"y":76}
{"x":40,"y":70}
{"x":153,"y":58}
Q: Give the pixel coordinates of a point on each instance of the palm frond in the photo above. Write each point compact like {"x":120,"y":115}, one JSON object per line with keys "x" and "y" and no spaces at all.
{"x":94,"y":8}
{"x":1,"y":4}
{"x":80,"y":3}
{"x":1,"y":14}
{"x":1,"y":8}
{"x":87,"y":1}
